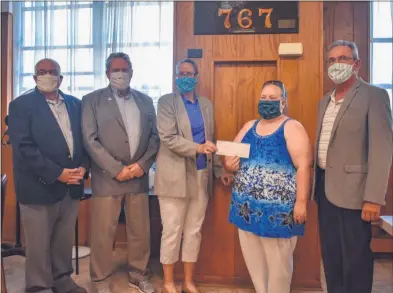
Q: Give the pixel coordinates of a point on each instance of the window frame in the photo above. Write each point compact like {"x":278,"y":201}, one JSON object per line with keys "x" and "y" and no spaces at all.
{"x":95,"y":7}
{"x":386,"y":86}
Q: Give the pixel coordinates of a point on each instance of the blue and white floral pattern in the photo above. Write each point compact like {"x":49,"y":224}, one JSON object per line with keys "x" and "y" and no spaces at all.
{"x":264,"y":190}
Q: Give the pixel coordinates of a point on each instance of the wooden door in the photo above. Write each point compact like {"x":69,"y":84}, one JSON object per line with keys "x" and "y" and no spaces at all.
{"x":237,"y":88}
{"x":232,"y":70}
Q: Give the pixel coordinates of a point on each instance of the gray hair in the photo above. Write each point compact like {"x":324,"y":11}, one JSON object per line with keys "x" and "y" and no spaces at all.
{"x":189,"y":61}
{"x":50,"y":60}
{"x":121,"y":55}
{"x":351,"y":45}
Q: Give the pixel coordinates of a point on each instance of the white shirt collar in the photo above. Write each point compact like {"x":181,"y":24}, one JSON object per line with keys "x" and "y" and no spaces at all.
{"x":333,"y":98}
{"x":58,"y":102}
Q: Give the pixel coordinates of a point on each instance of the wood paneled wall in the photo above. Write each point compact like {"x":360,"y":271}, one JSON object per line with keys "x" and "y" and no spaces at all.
{"x":347,"y":20}
{"x":220,"y":261}
{"x":6,"y":96}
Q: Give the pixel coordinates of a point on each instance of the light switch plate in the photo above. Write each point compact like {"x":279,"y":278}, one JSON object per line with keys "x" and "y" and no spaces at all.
{"x":290,"y":49}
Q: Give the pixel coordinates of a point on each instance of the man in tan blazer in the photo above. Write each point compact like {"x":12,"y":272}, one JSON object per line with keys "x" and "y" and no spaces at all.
{"x":352,"y":163}
{"x":184,"y":172}
{"x":120,"y":135}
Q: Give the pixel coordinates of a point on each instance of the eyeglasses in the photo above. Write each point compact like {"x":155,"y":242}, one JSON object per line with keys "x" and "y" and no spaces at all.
{"x":340,"y":59}
{"x":121,"y":70}
{"x":186,"y":74}
{"x":278,"y":83}
{"x":52,"y":72}
{"x":271,"y":98}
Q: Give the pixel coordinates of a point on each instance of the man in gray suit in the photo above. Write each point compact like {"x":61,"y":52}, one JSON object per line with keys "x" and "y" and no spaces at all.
{"x":120,"y":134}
{"x":352,"y":164}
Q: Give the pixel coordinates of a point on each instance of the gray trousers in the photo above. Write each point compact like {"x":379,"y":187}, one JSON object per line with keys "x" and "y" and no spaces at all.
{"x":49,"y":234}
{"x":104,"y":220}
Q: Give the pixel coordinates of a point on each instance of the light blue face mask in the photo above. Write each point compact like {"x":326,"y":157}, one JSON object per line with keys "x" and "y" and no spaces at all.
{"x":186,"y":84}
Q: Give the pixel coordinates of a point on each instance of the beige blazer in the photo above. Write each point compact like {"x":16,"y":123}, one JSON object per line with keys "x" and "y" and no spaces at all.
{"x":176,"y":160}
{"x":360,"y":150}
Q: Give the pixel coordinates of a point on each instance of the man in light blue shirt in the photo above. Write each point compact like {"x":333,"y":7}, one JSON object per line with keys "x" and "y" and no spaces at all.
{"x":120,"y":134}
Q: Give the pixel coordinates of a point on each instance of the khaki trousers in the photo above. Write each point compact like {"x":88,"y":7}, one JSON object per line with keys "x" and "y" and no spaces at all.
{"x":183,"y":217}
{"x":269,"y":261}
{"x":49,"y":231}
{"x":105,"y":217}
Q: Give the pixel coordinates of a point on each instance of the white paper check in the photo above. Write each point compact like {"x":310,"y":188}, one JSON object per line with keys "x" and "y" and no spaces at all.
{"x":229,"y":148}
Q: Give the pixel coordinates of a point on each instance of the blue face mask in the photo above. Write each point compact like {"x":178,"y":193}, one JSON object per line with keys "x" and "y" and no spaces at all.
{"x":186,"y":84}
{"x":269,"y":109}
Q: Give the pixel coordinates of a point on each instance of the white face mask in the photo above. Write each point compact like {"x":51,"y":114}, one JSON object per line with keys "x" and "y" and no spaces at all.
{"x":47,"y":83}
{"x":120,"y":80}
{"x":340,"y":72}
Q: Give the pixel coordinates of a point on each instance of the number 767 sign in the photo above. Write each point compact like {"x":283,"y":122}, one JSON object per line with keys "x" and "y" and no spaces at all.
{"x":244,"y":19}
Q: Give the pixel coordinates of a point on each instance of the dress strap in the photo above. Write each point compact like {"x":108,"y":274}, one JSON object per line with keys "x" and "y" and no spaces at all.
{"x":281,"y":128}
{"x":254,"y":127}
{"x":285,"y":122}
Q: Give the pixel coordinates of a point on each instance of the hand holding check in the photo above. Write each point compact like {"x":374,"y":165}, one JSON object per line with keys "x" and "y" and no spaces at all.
{"x":206,"y":148}
{"x":232,"y":151}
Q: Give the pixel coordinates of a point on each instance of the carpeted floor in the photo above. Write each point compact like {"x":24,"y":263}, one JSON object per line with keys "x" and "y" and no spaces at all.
{"x":14,"y":271}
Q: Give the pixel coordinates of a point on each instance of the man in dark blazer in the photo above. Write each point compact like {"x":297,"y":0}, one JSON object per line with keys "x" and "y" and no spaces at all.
{"x":49,"y":163}
{"x":120,"y":134}
{"x":352,"y":164}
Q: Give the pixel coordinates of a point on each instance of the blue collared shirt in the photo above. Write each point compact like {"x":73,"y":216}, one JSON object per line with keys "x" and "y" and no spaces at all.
{"x":197,"y":128}
{"x":131,"y":117}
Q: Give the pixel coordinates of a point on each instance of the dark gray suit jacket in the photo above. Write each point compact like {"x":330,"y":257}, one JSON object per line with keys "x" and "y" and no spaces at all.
{"x":360,"y":150}
{"x":106,"y":141}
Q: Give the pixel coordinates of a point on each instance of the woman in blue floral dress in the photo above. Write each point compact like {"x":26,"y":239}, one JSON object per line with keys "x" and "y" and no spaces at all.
{"x":271,"y":190}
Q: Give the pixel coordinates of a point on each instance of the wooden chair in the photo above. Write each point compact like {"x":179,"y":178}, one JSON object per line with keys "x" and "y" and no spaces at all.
{"x":6,"y":248}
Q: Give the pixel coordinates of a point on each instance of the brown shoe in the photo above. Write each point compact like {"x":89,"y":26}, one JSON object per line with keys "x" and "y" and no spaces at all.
{"x":190,"y":289}
{"x":171,"y":289}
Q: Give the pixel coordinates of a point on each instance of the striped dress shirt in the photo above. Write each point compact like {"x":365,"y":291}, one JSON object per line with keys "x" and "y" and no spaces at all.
{"x":60,"y":112}
{"x":326,"y":130}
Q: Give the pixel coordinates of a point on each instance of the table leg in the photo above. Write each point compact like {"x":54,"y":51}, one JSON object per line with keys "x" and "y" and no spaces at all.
{"x":3,"y":284}
{"x":76,"y":248}
{"x":17,"y":232}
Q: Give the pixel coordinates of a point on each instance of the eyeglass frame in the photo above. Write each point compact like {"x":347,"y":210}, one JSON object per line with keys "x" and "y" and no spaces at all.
{"x":53,"y":72}
{"x":340,"y":59}
{"x":188,"y":74}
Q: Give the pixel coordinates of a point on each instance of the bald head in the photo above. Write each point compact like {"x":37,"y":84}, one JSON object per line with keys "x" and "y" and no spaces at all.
{"x":47,"y":65}
{"x":47,"y":77}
